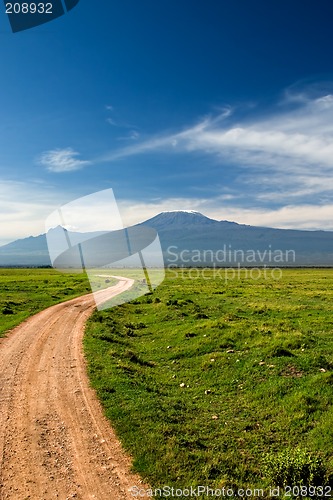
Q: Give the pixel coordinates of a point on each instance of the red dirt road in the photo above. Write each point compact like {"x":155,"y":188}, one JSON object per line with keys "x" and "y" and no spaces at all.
{"x":54,"y":439}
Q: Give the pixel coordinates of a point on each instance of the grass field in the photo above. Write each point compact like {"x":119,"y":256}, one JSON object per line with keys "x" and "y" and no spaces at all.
{"x":222,"y":383}
{"x":24,"y":292}
{"x":225,"y":383}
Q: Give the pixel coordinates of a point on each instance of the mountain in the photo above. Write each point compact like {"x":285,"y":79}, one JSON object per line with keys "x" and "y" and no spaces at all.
{"x":192,"y":239}
{"x":189,"y":238}
{"x":178,"y":219}
{"x":33,"y":251}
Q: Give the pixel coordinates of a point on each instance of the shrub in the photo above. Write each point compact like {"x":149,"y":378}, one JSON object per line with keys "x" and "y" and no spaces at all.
{"x":7,"y":310}
{"x":294,"y":466}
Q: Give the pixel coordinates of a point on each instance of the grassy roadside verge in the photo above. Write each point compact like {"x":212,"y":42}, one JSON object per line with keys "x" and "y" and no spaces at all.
{"x":204,"y":377}
{"x":24,"y":292}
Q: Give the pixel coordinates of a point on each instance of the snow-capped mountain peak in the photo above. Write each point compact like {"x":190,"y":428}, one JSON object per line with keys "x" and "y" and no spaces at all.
{"x":182,"y":218}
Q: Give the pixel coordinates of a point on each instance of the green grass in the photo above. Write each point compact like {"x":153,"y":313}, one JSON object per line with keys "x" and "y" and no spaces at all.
{"x":207,"y":381}
{"x":204,"y":379}
{"x":24,"y":292}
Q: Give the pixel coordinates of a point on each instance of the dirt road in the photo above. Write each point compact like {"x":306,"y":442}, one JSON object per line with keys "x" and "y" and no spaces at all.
{"x":54,"y":440}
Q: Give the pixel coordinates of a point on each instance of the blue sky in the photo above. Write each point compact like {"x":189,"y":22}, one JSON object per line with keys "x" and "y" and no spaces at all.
{"x":218,"y":106}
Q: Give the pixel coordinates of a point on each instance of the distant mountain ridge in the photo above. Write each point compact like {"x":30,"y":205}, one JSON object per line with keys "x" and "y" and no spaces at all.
{"x":189,"y":238}
{"x":199,"y":235}
{"x":31,"y":251}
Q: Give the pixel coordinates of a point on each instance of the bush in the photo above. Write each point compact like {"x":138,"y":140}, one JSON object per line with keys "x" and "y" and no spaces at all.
{"x":294,"y":467}
{"x":7,"y":310}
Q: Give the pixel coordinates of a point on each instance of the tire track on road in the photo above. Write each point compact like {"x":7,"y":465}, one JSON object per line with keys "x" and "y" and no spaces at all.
{"x":55,"y":441}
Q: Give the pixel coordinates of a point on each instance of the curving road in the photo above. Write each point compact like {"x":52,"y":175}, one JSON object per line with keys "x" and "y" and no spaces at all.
{"x":55,"y":442}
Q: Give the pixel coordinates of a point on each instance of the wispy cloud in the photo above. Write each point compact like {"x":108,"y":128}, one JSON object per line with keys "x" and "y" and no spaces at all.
{"x":134,"y":135}
{"x":305,"y":216}
{"x":286,"y":153}
{"x":111,"y":121}
{"x":118,"y":122}
{"x":62,"y":160}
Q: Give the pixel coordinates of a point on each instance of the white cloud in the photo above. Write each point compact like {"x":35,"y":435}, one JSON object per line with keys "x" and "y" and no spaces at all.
{"x":307,"y":216}
{"x":24,"y":207}
{"x":62,"y":160}
{"x":134,"y":211}
{"x":287,"y":145}
{"x":287,"y":153}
